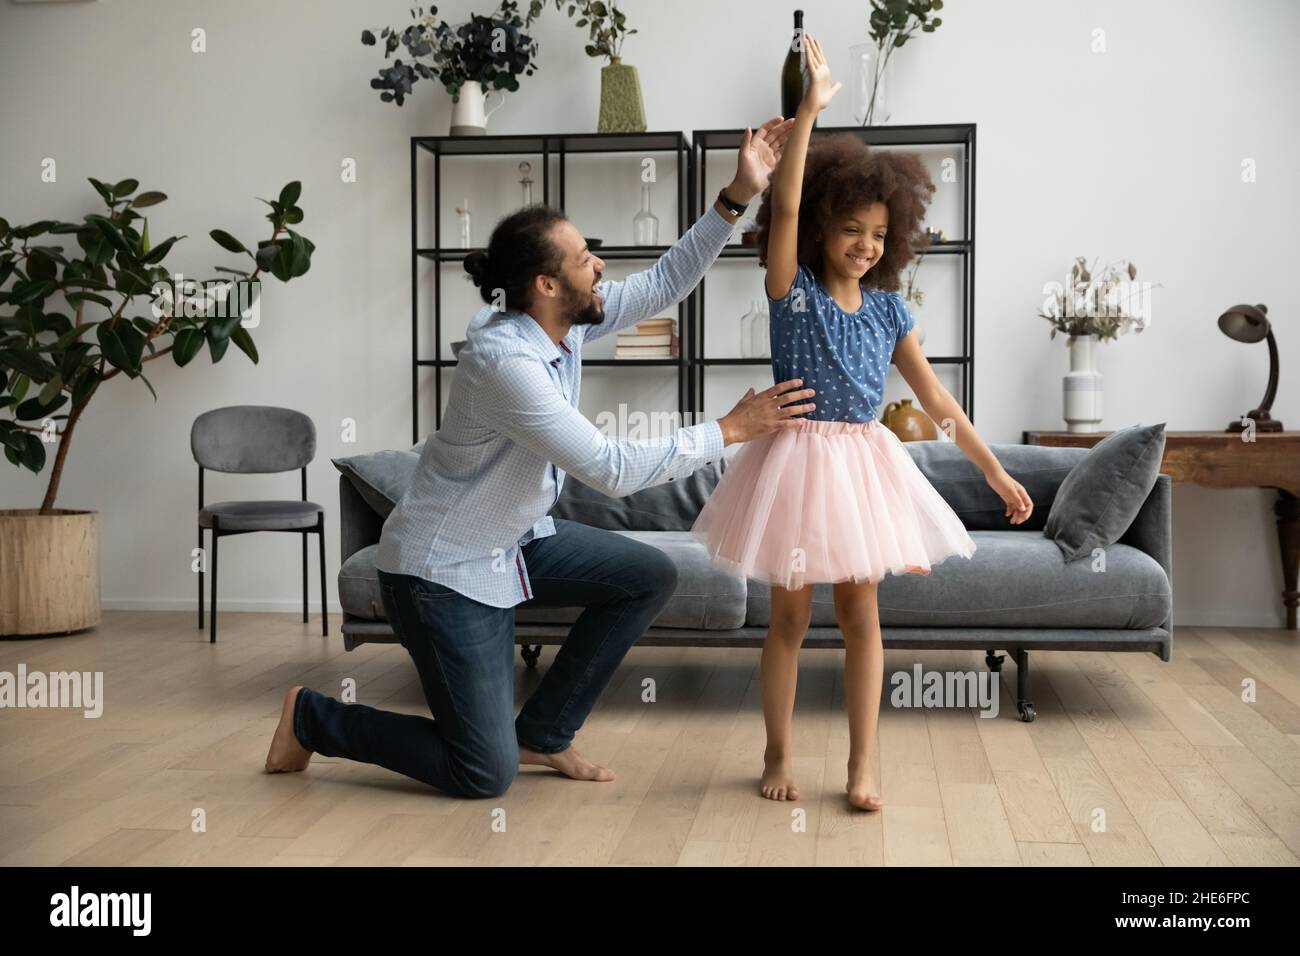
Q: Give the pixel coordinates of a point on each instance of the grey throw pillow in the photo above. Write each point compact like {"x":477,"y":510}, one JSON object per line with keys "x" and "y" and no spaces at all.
{"x":1102,"y":494}
{"x":671,"y":506}
{"x":381,"y":477}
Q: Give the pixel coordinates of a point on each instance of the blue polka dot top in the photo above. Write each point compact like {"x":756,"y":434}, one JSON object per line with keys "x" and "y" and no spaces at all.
{"x":843,"y":355}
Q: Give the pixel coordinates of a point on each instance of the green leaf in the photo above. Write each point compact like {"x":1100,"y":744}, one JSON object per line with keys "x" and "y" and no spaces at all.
{"x":218,"y":348}
{"x":34,"y":229}
{"x":31,"y":366}
{"x":293,"y":216}
{"x":150,"y":384}
{"x":34,"y":409}
{"x":151,"y":198}
{"x":110,"y":231}
{"x":32,"y":456}
{"x":125,"y":188}
{"x":19,"y":387}
{"x":29,"y":291}
{"x":290,"y":193}
{"x":130,"y":282}
{"x":266,"y":253}
{"x":52,"y":388}
{"x":70,"y":336}
{"x":187,"y":345}
{"x":111,"y":345}
{"x":41,"y":266}
{"x":102,"y":190}
{"x":299,"y":259}
{"x":78,"y":297}
{"x":132,"y":340}
{"x":245,"y":342}
{"x":226,"y":241}
{"x":222,"y":328}
{"x":83,"y":385}
{"x":159,"y":252}
{"x":4,"y":227}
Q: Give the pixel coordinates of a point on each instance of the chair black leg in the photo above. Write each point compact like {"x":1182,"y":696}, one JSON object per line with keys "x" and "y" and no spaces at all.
{"x":304,"y":577}
{"x":324,"y":612}
{"x":202,"y":560}
{"x":212,"y":613}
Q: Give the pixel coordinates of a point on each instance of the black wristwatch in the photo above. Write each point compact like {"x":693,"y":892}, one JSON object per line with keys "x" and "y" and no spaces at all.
{"x":734,"y":207}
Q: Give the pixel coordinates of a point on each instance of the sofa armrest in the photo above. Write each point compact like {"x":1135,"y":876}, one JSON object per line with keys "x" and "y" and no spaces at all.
{"x":360,"y":525}
{"x":1152,"y":531}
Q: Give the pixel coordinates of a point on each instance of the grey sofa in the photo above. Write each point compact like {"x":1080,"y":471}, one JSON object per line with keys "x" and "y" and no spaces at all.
{"x":1015,"y":594}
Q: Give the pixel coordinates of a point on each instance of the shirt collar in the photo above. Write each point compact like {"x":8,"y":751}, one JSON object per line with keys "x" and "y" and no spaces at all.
{"x":534,"y":333}
{"x":527,"y":328}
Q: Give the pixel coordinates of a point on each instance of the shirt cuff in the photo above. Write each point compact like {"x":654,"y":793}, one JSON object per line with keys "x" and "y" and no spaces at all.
{"x":715,"y":227}
{"x":711,"y":441}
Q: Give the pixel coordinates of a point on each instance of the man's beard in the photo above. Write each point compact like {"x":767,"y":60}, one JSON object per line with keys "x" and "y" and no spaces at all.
{"x":580,"y":308}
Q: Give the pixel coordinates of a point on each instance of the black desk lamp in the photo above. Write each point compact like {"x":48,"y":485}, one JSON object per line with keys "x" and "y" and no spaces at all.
{"x":1249,"y":323}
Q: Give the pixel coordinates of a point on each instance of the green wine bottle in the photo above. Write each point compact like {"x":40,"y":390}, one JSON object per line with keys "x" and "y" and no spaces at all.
{"x":791,"y":74}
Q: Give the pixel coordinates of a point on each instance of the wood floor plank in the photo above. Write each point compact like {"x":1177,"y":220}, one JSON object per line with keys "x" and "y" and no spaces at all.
{"x":1131,"y":761}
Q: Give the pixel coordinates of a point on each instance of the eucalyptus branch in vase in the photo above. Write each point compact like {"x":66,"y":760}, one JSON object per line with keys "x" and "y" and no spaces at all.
{"x":892,"y":24}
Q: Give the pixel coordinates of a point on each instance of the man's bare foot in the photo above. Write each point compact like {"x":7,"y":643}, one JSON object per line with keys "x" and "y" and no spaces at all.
{"x":286,"y":754}
{"x":778,"y":779}
{"x":569,"y":762}
{"x":863,"y":791}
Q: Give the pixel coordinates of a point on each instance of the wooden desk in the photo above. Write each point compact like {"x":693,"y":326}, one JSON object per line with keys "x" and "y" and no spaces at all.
{"x":1225,"y":460}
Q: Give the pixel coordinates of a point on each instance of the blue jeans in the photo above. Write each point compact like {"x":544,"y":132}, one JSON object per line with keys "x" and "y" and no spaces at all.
{"x":464,"y":652}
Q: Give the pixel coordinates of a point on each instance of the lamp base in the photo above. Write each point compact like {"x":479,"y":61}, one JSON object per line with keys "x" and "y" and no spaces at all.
{"x":1263,"y":422}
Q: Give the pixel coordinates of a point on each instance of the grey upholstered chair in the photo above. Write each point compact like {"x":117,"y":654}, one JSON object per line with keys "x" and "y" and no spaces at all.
{"x":257,"y":439}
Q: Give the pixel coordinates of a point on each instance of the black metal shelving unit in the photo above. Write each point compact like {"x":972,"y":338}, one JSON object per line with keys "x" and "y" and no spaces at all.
{"x":550,"y":147}
{"x":958,"y":134}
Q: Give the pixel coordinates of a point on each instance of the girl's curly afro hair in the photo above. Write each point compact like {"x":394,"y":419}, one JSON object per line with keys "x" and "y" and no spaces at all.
{"x":842,"y":174}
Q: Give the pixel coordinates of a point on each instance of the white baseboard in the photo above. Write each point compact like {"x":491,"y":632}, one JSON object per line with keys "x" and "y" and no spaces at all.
{"x":192,"y":605}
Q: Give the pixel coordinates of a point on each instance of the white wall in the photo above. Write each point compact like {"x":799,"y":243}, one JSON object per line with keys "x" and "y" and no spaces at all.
{"x":1132,"y":153}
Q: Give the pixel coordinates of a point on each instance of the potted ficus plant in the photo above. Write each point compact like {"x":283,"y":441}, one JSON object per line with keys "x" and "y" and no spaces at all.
{"x":52,"y":364}
{"x":621,"y":108}
{"x":483,"y":55}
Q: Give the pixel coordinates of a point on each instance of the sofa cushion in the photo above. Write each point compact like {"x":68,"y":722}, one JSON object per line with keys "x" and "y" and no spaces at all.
{"x":381,"y":477}
{"x":671,"y":506}
{"x":1014,"y":579}
{"x":359,"y":585}
{"x":1039,"y":468}
{"x":706,"y":598}
{"x":1101,"y":495}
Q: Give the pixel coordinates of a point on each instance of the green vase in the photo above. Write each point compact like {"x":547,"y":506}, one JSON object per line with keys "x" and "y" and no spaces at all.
{"x":621,"y":107}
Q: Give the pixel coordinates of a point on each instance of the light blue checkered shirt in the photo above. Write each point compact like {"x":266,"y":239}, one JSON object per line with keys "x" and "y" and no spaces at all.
{"x":488,"y":477}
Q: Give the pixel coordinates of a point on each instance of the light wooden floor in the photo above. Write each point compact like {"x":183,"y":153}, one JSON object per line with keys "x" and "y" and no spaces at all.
{"x":1130,"y":762}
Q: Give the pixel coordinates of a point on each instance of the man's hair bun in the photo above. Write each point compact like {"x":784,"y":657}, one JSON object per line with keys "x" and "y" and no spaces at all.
{"x":476,"y":264}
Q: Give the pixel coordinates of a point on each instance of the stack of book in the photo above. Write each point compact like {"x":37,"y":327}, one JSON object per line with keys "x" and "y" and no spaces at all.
{"x":653,"y":338}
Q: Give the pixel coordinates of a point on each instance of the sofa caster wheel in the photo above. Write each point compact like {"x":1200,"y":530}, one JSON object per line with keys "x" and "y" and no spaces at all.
{"x":994,"y":661}
{"x":531,"y":654}
{"x":1027,"y":712}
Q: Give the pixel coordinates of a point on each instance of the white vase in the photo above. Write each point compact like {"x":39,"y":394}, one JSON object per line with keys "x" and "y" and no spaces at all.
{"x":1081,"y":388}
{"x":468,"y":114}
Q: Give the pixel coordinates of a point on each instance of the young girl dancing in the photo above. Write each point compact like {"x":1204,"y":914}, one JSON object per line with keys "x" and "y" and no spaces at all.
{"x":837,"y":498}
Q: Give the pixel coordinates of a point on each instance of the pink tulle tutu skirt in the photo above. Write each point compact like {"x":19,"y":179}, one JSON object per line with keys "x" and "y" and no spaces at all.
{"x":828,"y":501}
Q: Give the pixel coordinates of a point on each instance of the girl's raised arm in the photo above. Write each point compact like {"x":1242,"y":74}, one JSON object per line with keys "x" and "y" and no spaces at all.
{"x":787,"y":181}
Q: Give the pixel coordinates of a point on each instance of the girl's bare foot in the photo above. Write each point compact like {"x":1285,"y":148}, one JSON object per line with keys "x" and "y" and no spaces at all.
{"x":286,"y":754}
{"x":778,"y":779}
{"x":569,"y":762}
{"x":863,"y":791}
